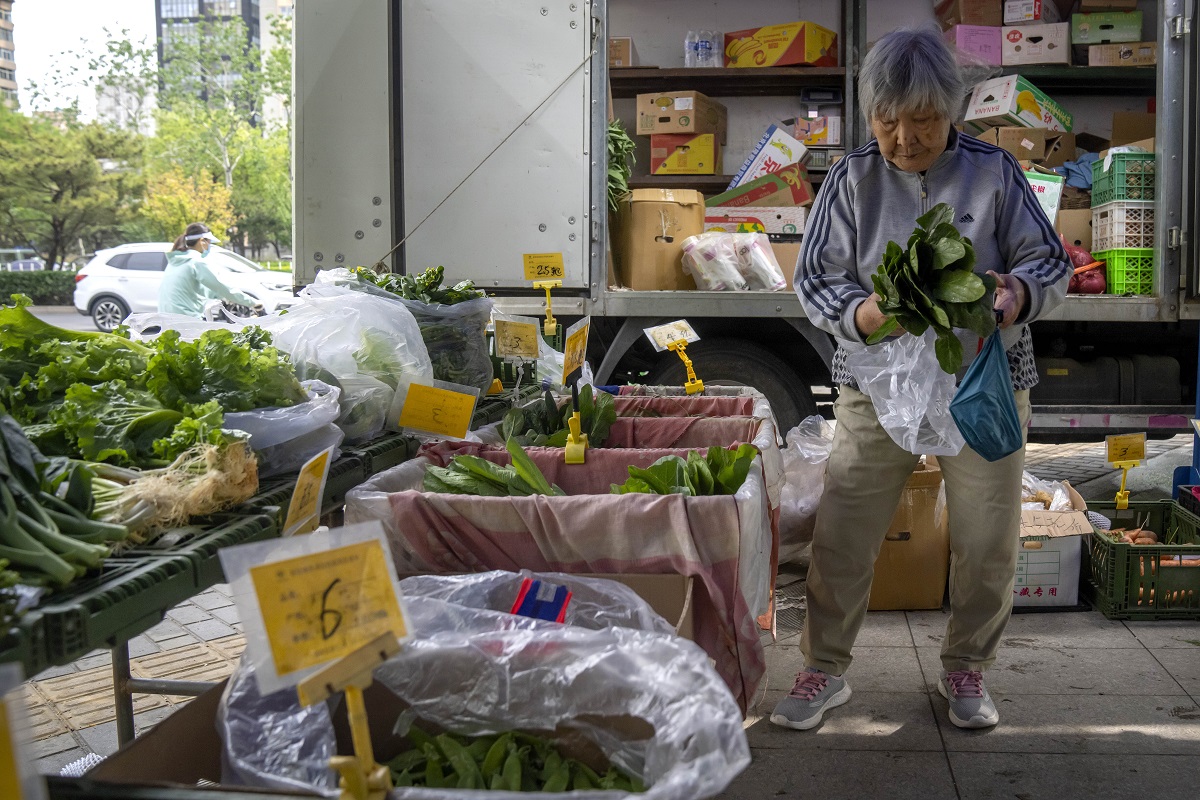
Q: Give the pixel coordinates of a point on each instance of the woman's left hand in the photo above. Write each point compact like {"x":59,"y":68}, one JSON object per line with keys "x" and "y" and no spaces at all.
{"x":1010,"y":298}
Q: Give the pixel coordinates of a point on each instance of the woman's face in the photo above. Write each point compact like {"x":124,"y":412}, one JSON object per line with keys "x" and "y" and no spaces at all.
{"x":913,"y":140}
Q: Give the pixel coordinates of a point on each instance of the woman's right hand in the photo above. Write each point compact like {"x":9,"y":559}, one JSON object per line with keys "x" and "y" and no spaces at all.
{"x":868,"y":318}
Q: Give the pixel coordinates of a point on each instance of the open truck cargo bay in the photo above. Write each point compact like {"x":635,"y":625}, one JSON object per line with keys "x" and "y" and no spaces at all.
{"x":477,"y":131}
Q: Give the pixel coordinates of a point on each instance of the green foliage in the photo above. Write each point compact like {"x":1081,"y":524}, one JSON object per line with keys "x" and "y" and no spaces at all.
{"x":44,"y":287}
{"x":932,"y":283}
{"x":479,"y":477}
{"x":719,"y":471}
{"x":620,"y":163}
{"x":262,"y":190}
{"x":425,"y":287}
{"x":545,"y":423}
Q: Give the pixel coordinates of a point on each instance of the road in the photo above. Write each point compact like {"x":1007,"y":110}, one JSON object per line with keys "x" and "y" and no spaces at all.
{"x":64,"y":317}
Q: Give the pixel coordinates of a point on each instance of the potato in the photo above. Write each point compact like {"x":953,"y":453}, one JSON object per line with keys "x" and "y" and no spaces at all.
{"x":1145,"y":540}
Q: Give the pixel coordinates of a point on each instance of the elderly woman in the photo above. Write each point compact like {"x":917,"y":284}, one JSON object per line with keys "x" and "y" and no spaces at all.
{"x":910,"y":90}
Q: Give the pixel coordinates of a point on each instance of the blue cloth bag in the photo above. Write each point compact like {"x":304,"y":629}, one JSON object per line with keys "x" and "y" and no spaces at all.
{"x":984,"y":407}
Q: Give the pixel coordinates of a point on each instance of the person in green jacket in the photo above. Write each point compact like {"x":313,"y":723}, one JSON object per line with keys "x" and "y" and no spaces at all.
{"x":188,"y":283}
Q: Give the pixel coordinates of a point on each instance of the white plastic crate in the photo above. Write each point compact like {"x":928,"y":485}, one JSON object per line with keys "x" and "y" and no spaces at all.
{"x":1122,"y":224}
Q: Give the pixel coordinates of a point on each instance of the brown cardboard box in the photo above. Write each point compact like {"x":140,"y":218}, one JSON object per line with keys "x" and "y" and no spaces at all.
{"x":786,"y":256}
{"x":620,"y":51}
{"x":969,"y":12}
{"x":787,"y":187}
{"x":1131,"y":126}
{"x":669,"y":595}
{"x":680,"y":112}
{"x":1023,"y":143}
{"x":1048,"y":557}
{"x":1060,"y":148}
{"x":652,"y":226}
{"x":1075,"y":224}
{"x":914,"y":562}
{"x":1125,"y":54}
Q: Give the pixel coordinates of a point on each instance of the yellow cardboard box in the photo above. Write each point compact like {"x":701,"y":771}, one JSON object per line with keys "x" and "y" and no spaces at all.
{"x":685,"y":154}
{"x":803,"y":43}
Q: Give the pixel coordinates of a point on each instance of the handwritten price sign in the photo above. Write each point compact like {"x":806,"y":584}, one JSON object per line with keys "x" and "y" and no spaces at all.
{"x":516,"y":339}
{"x":438,"y":410}
{"x":663,"y":336}
{"x":304,"y":509}
{"x":544,"y":266}
{"x":1125,"y":447}
{"x":575,"y":347}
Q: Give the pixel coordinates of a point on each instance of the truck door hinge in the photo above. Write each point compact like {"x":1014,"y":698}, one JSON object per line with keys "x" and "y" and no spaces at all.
{"x":1176,"y":238}
{"x":595,"y":230}
{"x":1179,"y":26}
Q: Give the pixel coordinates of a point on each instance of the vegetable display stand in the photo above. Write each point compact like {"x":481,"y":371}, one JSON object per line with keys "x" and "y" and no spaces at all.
{"x":385,"y":452}
{"x":725,"y":542}
{"x":275,"y":494}
{"x":25,"y":644}
{"x":1146,"y":581}
{"x":199,"y":544}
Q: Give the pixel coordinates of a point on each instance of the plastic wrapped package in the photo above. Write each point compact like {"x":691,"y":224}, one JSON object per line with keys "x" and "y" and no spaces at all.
{"x":649,"y":700}
{"x":756,"y":262}
{"x":147,"y":326}
{"x":348,"y":337}
{"x":712,"y":260}
{"x":804,"y":460}
{"x":284,"y":438}
{"x":725,"y":542}
{"x":1040,"y":495}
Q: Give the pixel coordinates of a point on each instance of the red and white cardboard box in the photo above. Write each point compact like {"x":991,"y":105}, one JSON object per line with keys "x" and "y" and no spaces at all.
{"x":1036,"y":44}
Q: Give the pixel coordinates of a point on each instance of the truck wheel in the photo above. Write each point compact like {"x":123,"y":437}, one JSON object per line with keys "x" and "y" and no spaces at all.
{"x":732,"y":362}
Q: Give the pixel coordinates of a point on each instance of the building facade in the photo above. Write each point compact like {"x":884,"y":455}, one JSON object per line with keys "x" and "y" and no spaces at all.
{"x":273,"y":109}
{"x":180,"y":19}
{"x":8,"y":56}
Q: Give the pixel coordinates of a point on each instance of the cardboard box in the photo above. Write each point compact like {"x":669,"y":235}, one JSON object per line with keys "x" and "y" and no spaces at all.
{"x":652,"y":226}
{"x":1107,"y":5}
{"x":1146,"y":145}
{"x":821,"y":131}
{"x":969,"y":12}
{"x":1028,"y":144}
{"x":977,"y":42}
{"x":786,"y":256}
{"x":1126,"y":54}
{"x":788,"y":187}
{"x":775,"y":150}
{"x":1132,"y":126}
{"x":1020,"y":12}
{"x":621,"y":52}
{"x":1036,"y":44}
{"x":793,"y":43}
{"x":1013,"y":100}
{"x":1048,"y":558}
{"x":1075,"y":225}
{"x":914,"y":562}
{"x":823,"y":159}
{"x":680,"y":112}
{"x":1106,"y":27}
{"x":670,"y":595}
{"x":777,"y":219}
{"x":685,"y":154}
{"x":1060,"y":148}
{"x":1047,"y":187}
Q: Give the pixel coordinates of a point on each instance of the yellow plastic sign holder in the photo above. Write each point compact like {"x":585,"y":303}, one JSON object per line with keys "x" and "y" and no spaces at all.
{"x":1122,"y":498}
{"x":550,"y":326}
{"x":362,"y":777}
{"x":693,"y":385}
{"x":577,"y":443}
{"x":496,"y":388}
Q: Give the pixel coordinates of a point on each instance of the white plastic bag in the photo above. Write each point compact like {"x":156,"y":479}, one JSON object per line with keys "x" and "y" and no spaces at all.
{"x":284,"y":438}
{"x":910,"y":392}
{"x":712,"y":260}
{"x":804,"y":460}
{"x":361,"y":342}
{"x":756,"y":261}
{"x":147,"y":326}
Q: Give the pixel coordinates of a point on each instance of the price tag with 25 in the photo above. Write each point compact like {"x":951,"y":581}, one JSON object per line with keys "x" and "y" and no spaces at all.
{"x":544,"y":266}
{"x":662,"y":336}
{"x":310,"y":600}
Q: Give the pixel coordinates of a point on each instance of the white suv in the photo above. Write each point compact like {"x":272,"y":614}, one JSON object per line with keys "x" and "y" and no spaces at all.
{"x":124,"y":280}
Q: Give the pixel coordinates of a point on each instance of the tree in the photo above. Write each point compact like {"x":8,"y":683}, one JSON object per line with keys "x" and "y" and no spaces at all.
{"x":65,"y":183}
{"x":128,"y":75}
{"x":262,"y":192}
{"x":175,"y":199}
{"x":277,"y":66}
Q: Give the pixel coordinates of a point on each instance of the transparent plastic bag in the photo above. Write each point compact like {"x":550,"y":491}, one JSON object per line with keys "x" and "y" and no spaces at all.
{"x":357,"y":341}
{"x":1040,"y":495}
{"x":283,"y":439}
{"x":474,"y":669}
{"x":910,"y":392}
{"x":756,"y":262}
{"x":804,"y":460}
{"x":147,"y":326}
{"x":712,"y":260}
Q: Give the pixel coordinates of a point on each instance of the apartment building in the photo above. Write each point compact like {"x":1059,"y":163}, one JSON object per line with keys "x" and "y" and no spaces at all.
{"x":8,"y":57}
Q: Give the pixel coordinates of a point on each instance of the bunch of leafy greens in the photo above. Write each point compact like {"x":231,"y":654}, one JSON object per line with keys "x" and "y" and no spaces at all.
{"x":477,"y":476}
{"x":104,"y":397}
{"x":932,"y":284}
{"x":545,"y":424}
{"x":719,"y":471}
{"x":425,"y":287}
{"x":620,"y":163}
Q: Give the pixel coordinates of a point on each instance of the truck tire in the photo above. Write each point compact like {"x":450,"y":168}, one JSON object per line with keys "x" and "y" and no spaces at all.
{"x":734,"y":362}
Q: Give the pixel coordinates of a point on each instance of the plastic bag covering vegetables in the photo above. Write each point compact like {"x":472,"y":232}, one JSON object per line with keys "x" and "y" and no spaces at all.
{"x":932,"y":284}
{"x":477,"y":476}
{"x":545,"y":424}
{"x":46,"y":534}
{"x":720,"y":471}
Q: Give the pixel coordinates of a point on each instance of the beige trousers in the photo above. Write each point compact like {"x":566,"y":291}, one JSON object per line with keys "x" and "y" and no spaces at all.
{"x":864,"y":478}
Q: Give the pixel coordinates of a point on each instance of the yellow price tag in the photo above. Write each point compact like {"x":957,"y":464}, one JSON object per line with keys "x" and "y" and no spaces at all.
{"x":440,"y":411}
{"x":540,"y":266}
{"x":322,"y":606}
{"x":516,"y":339}
{"x":663,"y":336}
{"x":304,"y":510}
{"x":575,"y":347}
{"x":1125,"y":447}
{"x":10,"y":782}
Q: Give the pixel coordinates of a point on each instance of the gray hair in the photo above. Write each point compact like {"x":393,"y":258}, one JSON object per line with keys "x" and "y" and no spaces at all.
{"x":910,"y":69}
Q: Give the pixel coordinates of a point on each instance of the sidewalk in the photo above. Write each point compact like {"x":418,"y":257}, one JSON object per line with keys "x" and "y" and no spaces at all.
{"x":1089,"y":707}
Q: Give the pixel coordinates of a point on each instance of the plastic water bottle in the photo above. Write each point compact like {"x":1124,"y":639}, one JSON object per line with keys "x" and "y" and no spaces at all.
{"x":707,"y":47}
{"x":691,"y":49}
{"x":716,"y":53}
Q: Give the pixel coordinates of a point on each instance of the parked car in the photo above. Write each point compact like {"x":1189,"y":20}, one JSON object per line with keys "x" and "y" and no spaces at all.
{"x":124,"y":280}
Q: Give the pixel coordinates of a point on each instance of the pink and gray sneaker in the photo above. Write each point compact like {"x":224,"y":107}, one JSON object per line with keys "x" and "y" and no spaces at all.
{"x":970,"y":704}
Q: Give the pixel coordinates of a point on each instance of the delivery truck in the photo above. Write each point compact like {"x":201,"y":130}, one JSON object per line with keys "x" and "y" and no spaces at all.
{"x":472,"y":134}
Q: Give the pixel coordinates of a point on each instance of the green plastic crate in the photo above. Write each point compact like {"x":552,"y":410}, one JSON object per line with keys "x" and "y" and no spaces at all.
{"x":25,"y":644}
{"x":274,"y":494}
{"x":1146,"y":581}
{"x":1128,"y":270}
{"x":385,"y":452}
{"x":1130,"y":176}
